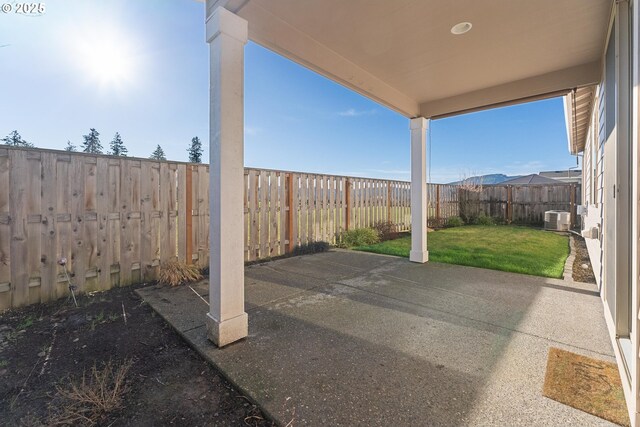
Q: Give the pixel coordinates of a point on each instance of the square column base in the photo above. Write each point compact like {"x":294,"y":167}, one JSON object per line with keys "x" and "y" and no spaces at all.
{"x":419,"y":256}
{"x":227,"y":331}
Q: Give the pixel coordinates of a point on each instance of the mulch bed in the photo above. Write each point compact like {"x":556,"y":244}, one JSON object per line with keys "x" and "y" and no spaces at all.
{"x":582,"y":270}
{"x":169,"y":383}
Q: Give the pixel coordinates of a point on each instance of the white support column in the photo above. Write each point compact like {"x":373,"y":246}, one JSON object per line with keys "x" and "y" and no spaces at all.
{"x":419,"y":251}
{"x":226,"y":321}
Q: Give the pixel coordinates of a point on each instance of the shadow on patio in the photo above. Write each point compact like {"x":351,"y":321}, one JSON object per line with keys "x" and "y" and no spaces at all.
{"x":347,"y":338}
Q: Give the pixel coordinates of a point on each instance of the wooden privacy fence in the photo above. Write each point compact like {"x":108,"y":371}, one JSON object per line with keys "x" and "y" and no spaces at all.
{"x":521,"y":204}
{"x":442,"y":203}
{"x":116,"y":219}
{"x":288,"y":209}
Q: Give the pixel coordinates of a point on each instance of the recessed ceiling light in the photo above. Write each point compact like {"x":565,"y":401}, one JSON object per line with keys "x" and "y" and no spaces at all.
{"x":461,"y":28}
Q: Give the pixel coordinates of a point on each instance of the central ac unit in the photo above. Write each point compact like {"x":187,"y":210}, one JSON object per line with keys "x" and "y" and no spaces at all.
{"x":557,"y":220}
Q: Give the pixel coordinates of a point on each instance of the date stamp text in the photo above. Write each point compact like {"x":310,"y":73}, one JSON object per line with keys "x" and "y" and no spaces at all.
{"x":32,"y":9}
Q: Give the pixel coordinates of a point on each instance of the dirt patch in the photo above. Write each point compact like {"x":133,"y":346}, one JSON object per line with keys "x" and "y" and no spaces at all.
{"x":582,"y":270}
{"x":45,"y":346}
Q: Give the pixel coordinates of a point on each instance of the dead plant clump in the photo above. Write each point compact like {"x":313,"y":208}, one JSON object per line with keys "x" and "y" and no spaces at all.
{"x":175,"y":273}
{"x":91,"y":399}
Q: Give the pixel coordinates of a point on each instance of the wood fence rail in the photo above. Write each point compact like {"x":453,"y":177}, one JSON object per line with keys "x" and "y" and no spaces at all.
{"x":116,"y":219}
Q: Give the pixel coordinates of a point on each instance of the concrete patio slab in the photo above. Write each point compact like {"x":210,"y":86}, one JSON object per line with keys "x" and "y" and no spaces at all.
{"x":347,"y":338}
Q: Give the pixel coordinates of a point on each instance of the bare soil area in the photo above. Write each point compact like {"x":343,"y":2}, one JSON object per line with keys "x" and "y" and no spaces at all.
{"x":582,"y":269}
{"x":44,"y":348}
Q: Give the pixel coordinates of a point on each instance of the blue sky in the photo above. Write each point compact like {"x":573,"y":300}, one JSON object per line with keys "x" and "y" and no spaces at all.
{"x":54,"y":87}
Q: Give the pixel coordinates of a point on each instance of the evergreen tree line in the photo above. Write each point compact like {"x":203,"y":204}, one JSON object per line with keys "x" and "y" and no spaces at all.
{"x":91,"y":144}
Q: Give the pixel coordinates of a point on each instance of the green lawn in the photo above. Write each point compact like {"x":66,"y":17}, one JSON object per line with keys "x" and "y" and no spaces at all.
{"x":503,"y":247}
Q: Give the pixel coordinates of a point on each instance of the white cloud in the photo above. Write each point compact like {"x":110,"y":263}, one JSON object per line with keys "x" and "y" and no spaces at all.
{"x":352,"y":112}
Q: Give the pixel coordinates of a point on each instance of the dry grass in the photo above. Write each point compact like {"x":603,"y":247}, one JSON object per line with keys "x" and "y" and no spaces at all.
{"x":175,"y":273}
{"x":89,"y":400}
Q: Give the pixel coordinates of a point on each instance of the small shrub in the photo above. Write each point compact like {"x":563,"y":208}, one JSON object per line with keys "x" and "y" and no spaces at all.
{"x":455,"y":221}
{"x":499,"y":221}
{"x":386,"y":230}
{"x":174,"y":273}
{"x":467,"y":219}
{"x":90,"y":400}
{"x":311,"y":248}
{"x":358,"y":237}
{"x":484,"y":219}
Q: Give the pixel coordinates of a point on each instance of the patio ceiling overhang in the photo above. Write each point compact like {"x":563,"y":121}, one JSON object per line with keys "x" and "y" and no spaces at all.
{"x":403,"y":55}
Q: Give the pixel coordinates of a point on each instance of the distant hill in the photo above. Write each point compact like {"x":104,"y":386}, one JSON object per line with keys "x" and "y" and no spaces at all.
{"x":495,"y":178}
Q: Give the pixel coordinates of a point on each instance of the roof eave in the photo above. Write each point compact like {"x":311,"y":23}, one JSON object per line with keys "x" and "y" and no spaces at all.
{"x":578,"y":107}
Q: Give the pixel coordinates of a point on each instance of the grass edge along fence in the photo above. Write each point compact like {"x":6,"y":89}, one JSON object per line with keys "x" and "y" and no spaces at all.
{"x":115,"y":219}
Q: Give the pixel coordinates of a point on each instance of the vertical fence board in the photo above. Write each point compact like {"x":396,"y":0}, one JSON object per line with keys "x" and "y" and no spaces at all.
{"x":48,"y":260}
{"x":33,"y":211}
{"x":90,"y":221}
{"x":153,"y":182}
{"x":146,"y":223}
{"x":135,"y":222}
{"x":78,"y":259}
{"x":63,"y":221}
{"x":332,"y":221}
{"x":202,"y":207}
{"x":310,"y":201}
{"x":302,"y":223}
{"x":168,"y":215}
{"x":294,"y":207}
{"x":246,"y":218}
{"x":5,"y":232}
{"x":181,"y":190}
{"x":282,"y":212}
{"x":103,"y":264}
{"x":264,"y":214}
{"x":274,"y":204}
{"x":195,"y":215}
{"x":254,"y":204}
{"x":18,"y":214}
{"x":188,"y":213}
{"x":346,"y":190}
{"x":115,"y":215}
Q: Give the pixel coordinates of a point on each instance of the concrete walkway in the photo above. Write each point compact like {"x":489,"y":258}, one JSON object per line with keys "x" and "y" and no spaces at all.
{"x":348,"y":338}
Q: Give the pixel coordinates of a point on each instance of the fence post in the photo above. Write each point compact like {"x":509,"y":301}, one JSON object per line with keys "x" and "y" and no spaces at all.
{"x":572,"y":205}
{"x":438,"y":204}
{"x":509,"y":213}
{"x":188,"y":208}
{"x":388,"y":201}
{"x":347,"y":202}
{"x":289,"y":208}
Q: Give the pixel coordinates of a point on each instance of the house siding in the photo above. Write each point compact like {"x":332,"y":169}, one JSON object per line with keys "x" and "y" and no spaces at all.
{"x":592,"y":189}
{"x":625,"y":338}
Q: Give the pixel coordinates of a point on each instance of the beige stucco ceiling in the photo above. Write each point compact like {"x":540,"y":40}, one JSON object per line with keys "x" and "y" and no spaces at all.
{"x":401,"y":52}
